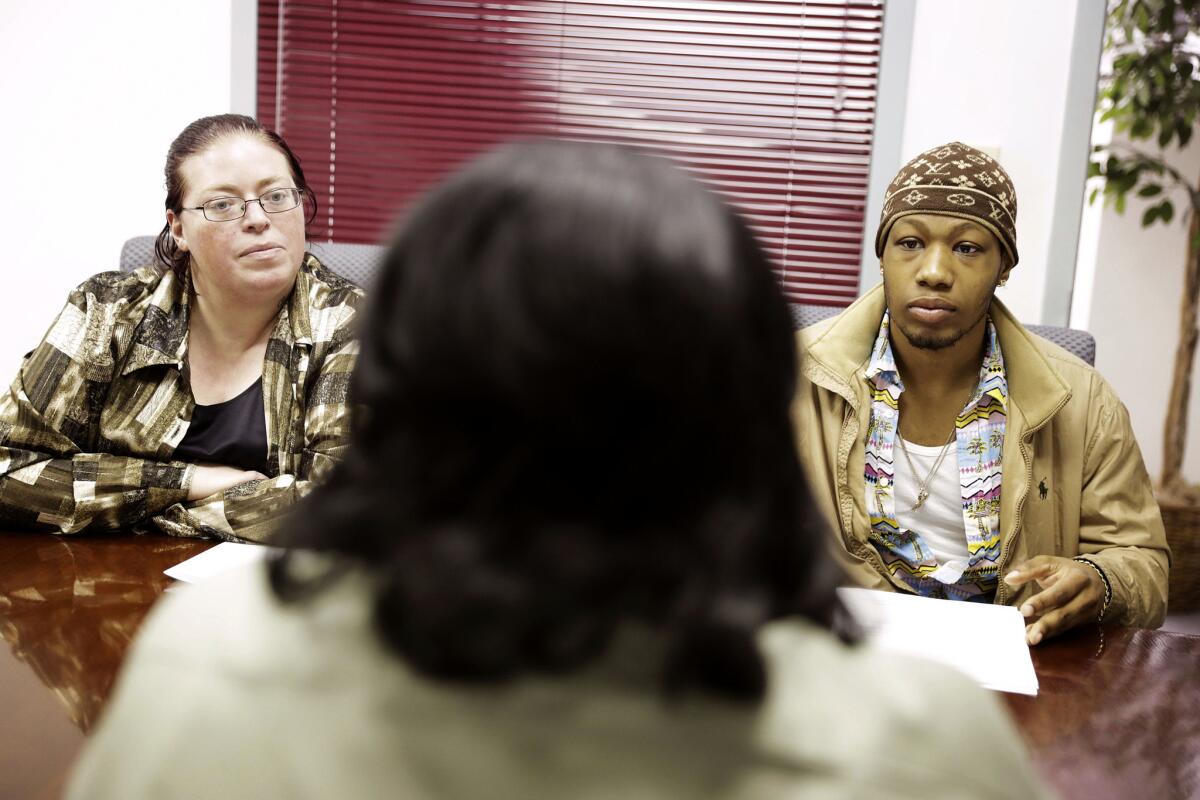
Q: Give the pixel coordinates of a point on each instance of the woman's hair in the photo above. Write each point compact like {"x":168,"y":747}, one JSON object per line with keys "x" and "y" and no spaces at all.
{"x":572,"y":409}
{"x":198,"y":137}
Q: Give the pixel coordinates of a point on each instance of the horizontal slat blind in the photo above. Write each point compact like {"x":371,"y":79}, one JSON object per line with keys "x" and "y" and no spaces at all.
{"x":772,"y":103}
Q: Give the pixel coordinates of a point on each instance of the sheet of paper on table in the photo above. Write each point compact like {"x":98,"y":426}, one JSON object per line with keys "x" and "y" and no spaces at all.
{"x":215,"y":560}
{"x":984,"y":641}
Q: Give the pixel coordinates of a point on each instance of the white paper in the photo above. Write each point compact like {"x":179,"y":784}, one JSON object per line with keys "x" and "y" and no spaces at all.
{"x":951,"y":571}
{"x":215,"y":560}
{"x":982,"y":640}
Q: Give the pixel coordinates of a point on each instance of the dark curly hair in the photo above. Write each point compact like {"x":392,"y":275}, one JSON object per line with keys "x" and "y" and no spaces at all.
{"x":573,"y":390}
{"x":197,"y":137}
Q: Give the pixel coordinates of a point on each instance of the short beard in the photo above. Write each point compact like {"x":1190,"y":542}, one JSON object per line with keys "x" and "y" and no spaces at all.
{"x":930,"y":342}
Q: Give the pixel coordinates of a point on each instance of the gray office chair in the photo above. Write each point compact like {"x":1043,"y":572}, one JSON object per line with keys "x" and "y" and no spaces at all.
{"x":355,"y":262}
{"x":1079,"y":343}
{"x":137,"y":252}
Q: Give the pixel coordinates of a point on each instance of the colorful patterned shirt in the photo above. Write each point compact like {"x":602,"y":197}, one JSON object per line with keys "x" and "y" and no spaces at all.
{"x":91,"y":422}
{"x":979,"y":436}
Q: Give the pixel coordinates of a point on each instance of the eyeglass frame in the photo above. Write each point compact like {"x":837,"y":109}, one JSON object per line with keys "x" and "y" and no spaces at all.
{"x":246,"y":201}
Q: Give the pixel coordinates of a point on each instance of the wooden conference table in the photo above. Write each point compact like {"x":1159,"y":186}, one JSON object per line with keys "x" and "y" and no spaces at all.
{"x":1118,"y":714}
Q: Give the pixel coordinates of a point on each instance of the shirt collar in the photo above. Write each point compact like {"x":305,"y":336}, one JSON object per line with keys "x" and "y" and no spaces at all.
{"x":295,"y":316}
{"x":881,"y":369}
{"x":161,"y":335}
{"x":884,"y":374}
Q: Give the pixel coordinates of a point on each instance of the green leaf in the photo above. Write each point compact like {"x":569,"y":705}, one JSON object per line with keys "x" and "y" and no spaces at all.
{"x":1166,"y":211}
{"x":1092,"y":196}
{"x":1149,"y":216}
{"x":1141,"y":17}
{"x":1149,"y":190}
{"x":1120,"y":204}
{"x":1166,"y":15}
{"x":1143,"y":95}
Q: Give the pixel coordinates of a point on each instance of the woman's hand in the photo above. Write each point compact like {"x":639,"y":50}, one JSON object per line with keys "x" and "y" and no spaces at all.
{"x":210,"y":479}
{"x":1072,"y":594}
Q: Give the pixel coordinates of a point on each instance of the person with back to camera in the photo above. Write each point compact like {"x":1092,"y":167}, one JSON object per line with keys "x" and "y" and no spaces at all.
{"x":959,"y":455}
{"x":201,"y":398}
{"x":570,"y":551}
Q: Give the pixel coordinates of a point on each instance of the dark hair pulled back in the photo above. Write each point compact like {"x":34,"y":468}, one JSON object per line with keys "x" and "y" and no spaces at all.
{"x":198,"y":137}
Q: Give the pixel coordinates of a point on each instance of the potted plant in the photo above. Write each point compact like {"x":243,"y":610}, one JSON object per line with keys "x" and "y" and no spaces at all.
{"x":1152,"y":96}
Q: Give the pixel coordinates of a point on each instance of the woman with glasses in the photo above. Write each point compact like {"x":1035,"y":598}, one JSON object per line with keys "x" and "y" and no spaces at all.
{"x":570,"y":552}
{"x":201,"y":398}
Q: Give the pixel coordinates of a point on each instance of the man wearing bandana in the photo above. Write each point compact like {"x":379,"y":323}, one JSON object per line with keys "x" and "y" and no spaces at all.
{"x":958,"y":455}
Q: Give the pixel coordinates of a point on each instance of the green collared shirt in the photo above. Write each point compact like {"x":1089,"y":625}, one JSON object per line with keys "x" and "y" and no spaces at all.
{"x":89,"y":427}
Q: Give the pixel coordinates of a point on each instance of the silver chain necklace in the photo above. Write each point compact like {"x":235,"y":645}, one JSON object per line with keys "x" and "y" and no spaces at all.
{"x":923,"y":485}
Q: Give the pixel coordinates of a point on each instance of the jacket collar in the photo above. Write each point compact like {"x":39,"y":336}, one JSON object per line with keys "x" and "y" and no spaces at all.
{"x":1035,"y":386}
{"x":161,"y":335}
{"x":838,"y":351}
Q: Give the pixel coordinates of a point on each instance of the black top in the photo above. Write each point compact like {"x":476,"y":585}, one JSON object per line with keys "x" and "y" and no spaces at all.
{"x":233,"y":433}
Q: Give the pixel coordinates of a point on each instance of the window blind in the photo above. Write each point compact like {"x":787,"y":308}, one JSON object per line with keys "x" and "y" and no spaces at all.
{"x":771,"y":103}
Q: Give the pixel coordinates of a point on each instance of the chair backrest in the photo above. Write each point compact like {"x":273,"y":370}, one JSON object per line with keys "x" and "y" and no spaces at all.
{"x":137,"y":252}
{"x":355,"y":262}
{"x":1079,"y":343}
{"x":360,"y":262}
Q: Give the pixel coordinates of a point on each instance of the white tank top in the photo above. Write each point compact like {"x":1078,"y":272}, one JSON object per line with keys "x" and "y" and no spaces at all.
{"x":939,"y":521}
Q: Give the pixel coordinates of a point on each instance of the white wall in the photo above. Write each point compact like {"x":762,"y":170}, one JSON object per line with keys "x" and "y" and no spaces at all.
{"x":1128,"y":294}
{"x":995,"y":75}
{"x":93,"y":94}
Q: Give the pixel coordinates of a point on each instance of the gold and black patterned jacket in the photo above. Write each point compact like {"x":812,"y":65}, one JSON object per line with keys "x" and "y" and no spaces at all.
{"x":89,"y":426}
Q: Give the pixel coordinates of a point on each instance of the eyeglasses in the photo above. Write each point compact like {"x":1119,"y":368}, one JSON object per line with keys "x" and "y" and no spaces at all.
{"x":227,"y":209}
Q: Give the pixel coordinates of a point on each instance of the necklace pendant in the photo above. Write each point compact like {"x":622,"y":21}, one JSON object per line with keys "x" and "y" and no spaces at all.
{"x":922,"y":496}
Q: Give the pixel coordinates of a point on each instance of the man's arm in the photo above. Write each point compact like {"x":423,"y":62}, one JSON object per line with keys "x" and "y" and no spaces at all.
{"x":1120,"y":526}
{"x":1120,"y":531}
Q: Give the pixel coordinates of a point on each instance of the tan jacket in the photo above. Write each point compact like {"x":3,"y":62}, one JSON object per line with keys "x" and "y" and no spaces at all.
{"x":1074,"y":482}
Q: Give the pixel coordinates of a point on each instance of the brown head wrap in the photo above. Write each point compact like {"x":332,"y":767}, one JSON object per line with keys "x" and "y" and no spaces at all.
{"x":958,"y":181}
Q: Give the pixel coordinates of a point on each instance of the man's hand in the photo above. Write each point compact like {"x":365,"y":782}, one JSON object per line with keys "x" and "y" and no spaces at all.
{"x":1072,"y":594}
{"x":211,"y":479}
